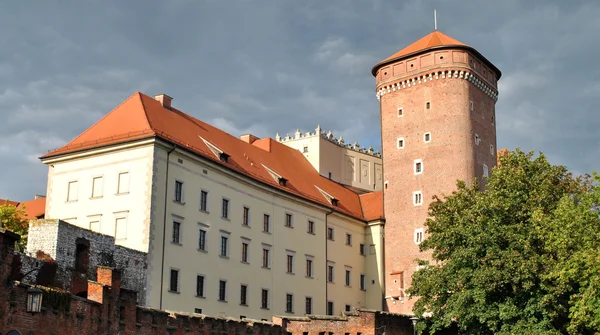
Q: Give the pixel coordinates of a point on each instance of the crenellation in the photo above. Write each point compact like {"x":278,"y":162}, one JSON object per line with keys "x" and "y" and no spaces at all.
{"x":330,"y":136}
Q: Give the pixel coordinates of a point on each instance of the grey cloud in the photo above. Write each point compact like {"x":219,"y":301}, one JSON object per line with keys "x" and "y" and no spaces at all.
{"x":278,"y":65}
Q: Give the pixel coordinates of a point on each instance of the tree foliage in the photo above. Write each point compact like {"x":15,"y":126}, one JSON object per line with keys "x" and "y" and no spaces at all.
{"x":521,"y":257}
{"x":14,"y":219}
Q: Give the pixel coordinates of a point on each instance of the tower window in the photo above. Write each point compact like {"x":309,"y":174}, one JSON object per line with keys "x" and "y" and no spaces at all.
{"x":486,"y":172}
{"x":492,"y":149}
{"x":419,"y":235}
{"x":305,"y":149}
{"x":418,"y":166}
{"x":428,"y":105}
{"x":472,"y":106}
{"x":477,"y":139}
{"x":417,"y":198}
{"x":400,"y":143}
{"x":427,"y":137}
{"x":400,"y":112}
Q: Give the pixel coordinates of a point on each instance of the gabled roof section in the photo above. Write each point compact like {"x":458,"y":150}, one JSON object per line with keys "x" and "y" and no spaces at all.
{"x":433,"y":40}
{"x":332,"y":200}
{"x":34,"y":209}
{"x":142,"y":116}
{"x":372,"y":205}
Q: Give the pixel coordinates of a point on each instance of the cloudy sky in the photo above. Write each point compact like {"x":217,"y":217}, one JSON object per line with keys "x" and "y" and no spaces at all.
{"x":268,"y":66}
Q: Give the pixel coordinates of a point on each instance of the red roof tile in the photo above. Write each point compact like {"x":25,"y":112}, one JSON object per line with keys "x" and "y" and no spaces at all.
{"x":34,"y":208}
{"x":142,"y":116}
{"x":372,"y":204}
{"x":8,"y":202}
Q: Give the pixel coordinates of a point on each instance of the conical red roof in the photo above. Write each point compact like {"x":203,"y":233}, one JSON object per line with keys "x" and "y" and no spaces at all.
{"x":435,"y":39}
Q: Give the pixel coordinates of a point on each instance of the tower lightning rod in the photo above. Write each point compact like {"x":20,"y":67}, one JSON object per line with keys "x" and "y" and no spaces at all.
{"x":434,"y":19}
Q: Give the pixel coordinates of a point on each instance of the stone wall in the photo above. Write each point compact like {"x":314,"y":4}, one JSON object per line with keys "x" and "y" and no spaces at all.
{"x":78,"y":252}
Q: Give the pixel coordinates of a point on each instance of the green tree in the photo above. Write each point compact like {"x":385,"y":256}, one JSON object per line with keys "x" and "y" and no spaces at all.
{"x":520,"y":257}
{"x":13,"y":219}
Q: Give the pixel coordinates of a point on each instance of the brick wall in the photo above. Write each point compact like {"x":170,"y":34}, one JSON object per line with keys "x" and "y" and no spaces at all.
{"x":59,"y":240}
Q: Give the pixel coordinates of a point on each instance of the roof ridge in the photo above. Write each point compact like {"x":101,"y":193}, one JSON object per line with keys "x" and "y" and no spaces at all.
{"x":102,"y":118}
{"x":144,"y":108}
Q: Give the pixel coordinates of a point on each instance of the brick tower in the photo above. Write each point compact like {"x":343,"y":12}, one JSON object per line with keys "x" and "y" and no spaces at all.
{"x":437,"y":99}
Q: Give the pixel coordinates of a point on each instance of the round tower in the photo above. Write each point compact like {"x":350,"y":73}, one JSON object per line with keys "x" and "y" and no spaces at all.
{"x":437,"y":103}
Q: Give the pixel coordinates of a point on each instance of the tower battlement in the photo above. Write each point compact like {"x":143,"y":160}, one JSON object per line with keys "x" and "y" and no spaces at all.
{"x":328,"y":135}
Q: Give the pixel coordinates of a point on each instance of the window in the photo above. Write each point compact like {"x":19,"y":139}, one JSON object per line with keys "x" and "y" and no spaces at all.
{"x":330,"y":308}
{"x":309,"y":268}
{"x":290,"y":263}
{"x":225,"y":209}
{"x":223,"y":157}
{"x":348,"y":307}
{"x":246,"y":217}
{"x":400,"y":143}
{"x":308,"y":305}
{"x":243,"y":295}
{"x":204,"y":201}
{"x":174,"y":284}
{"x":305,"y":149}
{"x":311,"y":227}
{"x":400,"y":112}
{"x":330,"y":270}
{"x":266,"y":223}
{"x":428,"y":105}
{"x":176,"y":232}
{"x":222,"y":290}
{"x":123,"y":183}
{"x":264,"y":299}
{"x":330,"y":233}
{"x":348,"y":274}
{"x":288,"y":220}
{"x":95,"y":225}
{"x":198,"y":310}
{"x":200,"y":286}
{"x":72,"y":190}
{"x":417,"y":198}
{"x":120,"y":228}
{"x":472,"y":106}
{"x":492,"y":149}
{"x":224,"y":246}
{"x":399,"y":279}
{"x":418,"y":166}
{"x":244,"y":252}
{"x":362,"y":249}
{"x":486,"y":172}
{"x":477,"y":139}
{"x":289,"y":303}
{"x":362,"y":282}
{"x":202,"y":239}
{"x":178,"y":191}
{"x":418,"y":235}
{"x":427,"y":137}
{"x":348,"y":239}
{"x":97,"y":185}
{"x":266,"y":262}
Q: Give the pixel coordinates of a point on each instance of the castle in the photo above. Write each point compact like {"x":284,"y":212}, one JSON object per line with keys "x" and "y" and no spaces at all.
{"x":304,"y":224}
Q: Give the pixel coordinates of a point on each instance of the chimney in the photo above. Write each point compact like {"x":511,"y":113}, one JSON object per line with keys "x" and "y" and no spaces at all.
{"x":164,"y":100}
{"x":249,"y":138}
{"x":37,"y":197}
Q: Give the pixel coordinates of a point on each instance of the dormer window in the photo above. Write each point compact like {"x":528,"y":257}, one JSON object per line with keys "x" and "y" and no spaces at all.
{"x":282,"y":181}
{"x":223,"y":157}
{"x":334,"y":201}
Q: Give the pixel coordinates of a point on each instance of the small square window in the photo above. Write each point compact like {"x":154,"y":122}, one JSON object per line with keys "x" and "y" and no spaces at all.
{"x":417,"y":198}
{"x":428,"y":105}
{"x":418,"y":166}
{"x":492,"y":149}
{"x":400,"y":143}
{"x":348,"y":310}
{"x":305,"y":149}
{"x":427,"y":137}
{"x":400,"y":112}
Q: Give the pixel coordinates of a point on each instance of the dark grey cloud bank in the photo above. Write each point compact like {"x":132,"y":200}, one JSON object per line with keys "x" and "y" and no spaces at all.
{"x":274,"y":66}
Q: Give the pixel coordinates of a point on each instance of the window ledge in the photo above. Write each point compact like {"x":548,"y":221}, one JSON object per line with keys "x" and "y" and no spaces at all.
{"x":224,"y":257}
{"x":247,"y":263}
{"x":291,"y":273}
{"x":98,"y":197}
{"x":70,"y":201}
{"x":311,"y":232}
{"x":202,"y":250}
{"x":309,"y":277}
{"x":123,"y":193}
{"x":204,"y":211}
{"x":292,"y":227}
{"x":224,"y":301}
{"x":177,"y":243}
{"x":266,"y":268}
{"x":265,"y":308}
{"x":179,"y":202}
{"x":226,"y":219}
{"x":174,"y":292}
{"x":246,"y":226}
{"x":245,"y":305}
{"x":267,"y":232}
{"x":201,"y":297}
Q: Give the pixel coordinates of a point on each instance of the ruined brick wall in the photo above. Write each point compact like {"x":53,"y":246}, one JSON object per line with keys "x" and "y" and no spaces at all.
{"x":360,"y":322}
{"x":60,"y":240}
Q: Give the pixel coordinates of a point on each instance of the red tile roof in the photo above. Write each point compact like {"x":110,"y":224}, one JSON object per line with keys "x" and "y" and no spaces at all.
{"x":141,"y":116}
{"x":435,"y":39}
{"x":8,"y":202}
{"x":372,"y":205}
{"x":34,"y":208}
